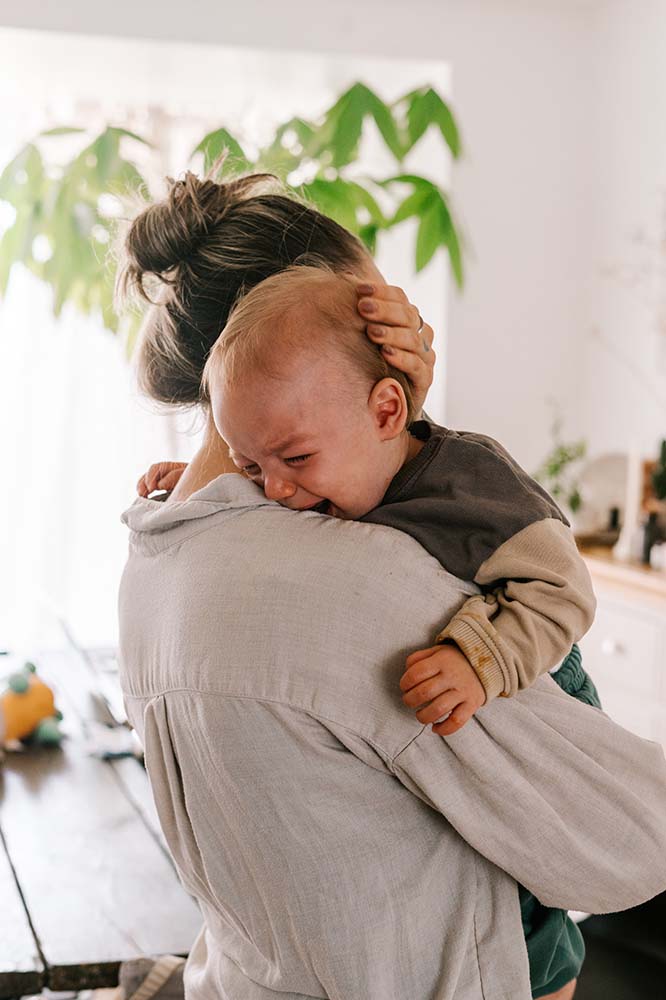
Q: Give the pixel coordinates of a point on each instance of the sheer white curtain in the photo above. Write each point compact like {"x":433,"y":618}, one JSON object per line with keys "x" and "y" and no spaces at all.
{"x":76,"y":436}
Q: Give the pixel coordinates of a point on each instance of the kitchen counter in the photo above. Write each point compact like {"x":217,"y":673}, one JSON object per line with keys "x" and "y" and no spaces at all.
{"x":631,"y":579}
{"x":625,"y":649}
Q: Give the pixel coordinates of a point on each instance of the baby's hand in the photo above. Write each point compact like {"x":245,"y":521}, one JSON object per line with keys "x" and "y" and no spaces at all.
{"x":161,"y":476}
{"x":441,"y":680}
{"x":395,"y":325}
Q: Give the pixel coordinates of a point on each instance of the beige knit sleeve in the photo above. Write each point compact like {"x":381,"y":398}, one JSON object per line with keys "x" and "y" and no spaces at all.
{"x":539,"y":602}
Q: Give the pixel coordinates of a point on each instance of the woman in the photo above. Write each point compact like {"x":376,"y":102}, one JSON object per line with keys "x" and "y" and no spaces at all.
{"x":194,"y":253}
{"x":191,"y":256}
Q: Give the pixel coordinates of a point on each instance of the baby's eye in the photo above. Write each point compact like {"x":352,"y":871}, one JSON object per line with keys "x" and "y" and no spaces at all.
{"x":297,"y":458}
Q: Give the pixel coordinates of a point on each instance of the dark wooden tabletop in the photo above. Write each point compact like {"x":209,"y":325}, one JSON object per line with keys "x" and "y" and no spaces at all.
{"x":86,"y":881}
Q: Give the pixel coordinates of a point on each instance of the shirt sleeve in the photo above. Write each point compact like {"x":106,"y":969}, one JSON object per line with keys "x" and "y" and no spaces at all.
{"x":470,"y":504}
{"x":538,"y":601}
{"x":553,"y":792}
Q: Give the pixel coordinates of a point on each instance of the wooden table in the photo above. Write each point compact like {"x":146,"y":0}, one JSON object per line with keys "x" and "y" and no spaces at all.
{"x":86,"y":881}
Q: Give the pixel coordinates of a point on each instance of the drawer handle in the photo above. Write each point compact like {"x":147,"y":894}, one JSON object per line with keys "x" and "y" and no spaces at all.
{"x":612,"y":647}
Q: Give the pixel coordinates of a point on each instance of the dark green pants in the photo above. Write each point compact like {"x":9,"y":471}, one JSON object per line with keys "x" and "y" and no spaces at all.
{"x":555,"y":947}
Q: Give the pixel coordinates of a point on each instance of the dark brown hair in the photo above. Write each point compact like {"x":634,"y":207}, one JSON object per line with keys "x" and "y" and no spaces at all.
{"x":196,"y":252}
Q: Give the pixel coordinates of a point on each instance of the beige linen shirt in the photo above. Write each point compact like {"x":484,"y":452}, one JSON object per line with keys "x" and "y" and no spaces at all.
{"x":337,"y":848}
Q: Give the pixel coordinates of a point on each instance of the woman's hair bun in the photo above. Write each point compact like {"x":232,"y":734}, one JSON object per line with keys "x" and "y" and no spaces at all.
{"x":167,"y":234}
{"x":195,"y":252}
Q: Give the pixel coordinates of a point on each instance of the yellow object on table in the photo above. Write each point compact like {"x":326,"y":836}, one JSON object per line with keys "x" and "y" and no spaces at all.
{"x":25,"y":705}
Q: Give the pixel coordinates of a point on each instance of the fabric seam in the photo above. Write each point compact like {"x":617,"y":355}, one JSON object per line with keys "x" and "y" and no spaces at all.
{"x":275,"y":701}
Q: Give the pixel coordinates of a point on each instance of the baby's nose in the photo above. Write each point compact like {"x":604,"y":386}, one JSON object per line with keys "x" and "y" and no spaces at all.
{"x":278,"y":489}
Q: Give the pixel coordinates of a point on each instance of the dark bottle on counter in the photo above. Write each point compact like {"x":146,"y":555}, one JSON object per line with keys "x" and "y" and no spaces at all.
{"x":651,"y":535}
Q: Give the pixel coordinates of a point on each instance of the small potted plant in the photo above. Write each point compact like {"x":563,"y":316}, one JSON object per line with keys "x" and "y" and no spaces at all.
{"x":560,"y":470}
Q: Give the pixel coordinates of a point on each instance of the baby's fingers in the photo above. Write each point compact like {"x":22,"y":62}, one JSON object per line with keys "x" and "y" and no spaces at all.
{"x":158,"y":474}
{"x":420,"y":667}
{"x":427,"y":691}
{"x":439,"y":707}
{"x":170,"y":481}
{"x":457,"y":719}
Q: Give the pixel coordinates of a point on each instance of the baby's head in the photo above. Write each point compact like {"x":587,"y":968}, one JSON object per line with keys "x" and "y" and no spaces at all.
{"x":309,"y":407}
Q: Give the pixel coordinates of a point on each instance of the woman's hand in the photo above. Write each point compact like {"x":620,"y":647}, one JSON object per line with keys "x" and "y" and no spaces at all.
{"x":406,"y":341}
{"x":160,"y":476}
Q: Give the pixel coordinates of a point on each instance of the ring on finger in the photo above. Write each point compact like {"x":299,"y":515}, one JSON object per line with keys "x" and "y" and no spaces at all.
{"x":426,"y":345}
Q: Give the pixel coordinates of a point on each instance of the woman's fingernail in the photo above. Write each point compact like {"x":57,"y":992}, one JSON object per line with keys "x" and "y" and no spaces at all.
{"x":368,"y":307}
{"x":365,"y":289}
{"x":387,"y":350}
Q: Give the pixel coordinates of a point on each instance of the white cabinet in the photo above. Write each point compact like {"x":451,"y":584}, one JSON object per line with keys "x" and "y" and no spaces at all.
{"x":625,"y":650}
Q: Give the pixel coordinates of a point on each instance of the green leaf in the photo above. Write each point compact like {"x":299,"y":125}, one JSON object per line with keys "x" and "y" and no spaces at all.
{"x":215,"y":143}
{"x":436,"y":230}
{"x":22,"y":180}
{"x":281,"y":158}
{"x":109,"y":316}
{"x":411,"y":206}
{"x":332,"y":199}
{"x":61,"y":269}
{"x":341,"y":130}
{"x":369,"y":236}
{"x":348,"y":202}
{"x":450,"y":240}
{"x":10,"y":251}
{"x":455,"y":255}
{"x":385,"y":123}
{"x":275,"y":159}
{"x":62,"y":130}
{"x":436,"y":227}
{"x":126,"y":133}
{"x":427,"y":108}
{"x":106,"y":150}
{"x":130,"y":324}
{"x":340,"y":133}
{"x":303,"y":130}
{"x":428,"y":238}
{"x":417,"y":182}
{"x":127,"y":180}
{"x":363,"y":199}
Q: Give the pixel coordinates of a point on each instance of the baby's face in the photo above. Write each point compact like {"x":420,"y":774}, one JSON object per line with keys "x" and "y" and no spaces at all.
{"x":308,"y":438}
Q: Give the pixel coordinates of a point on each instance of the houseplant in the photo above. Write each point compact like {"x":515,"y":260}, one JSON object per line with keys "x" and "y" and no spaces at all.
{"x":65,"y":213}
{"x":558,"y":472}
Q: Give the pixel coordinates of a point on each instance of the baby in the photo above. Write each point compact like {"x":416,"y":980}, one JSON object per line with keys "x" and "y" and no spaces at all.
{"x":314,"y":414}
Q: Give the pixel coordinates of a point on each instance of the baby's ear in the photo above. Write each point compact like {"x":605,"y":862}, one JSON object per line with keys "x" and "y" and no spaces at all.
{"x":388,"y":407}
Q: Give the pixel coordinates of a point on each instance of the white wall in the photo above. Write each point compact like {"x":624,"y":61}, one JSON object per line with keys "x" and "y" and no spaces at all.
{"x":520,"y":89}
{"x":624,"y":348}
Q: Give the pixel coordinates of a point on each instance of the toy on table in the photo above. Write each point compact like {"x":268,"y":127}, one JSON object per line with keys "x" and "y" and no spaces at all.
{"x":27,"y":710}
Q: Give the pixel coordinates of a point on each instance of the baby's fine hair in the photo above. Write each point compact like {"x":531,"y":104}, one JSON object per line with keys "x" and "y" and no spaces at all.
{"x":192,"y":255}
{"x":301,"y":310}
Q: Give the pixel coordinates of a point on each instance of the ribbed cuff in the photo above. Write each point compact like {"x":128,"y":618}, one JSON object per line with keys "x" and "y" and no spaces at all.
{"x":481,"y":653}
